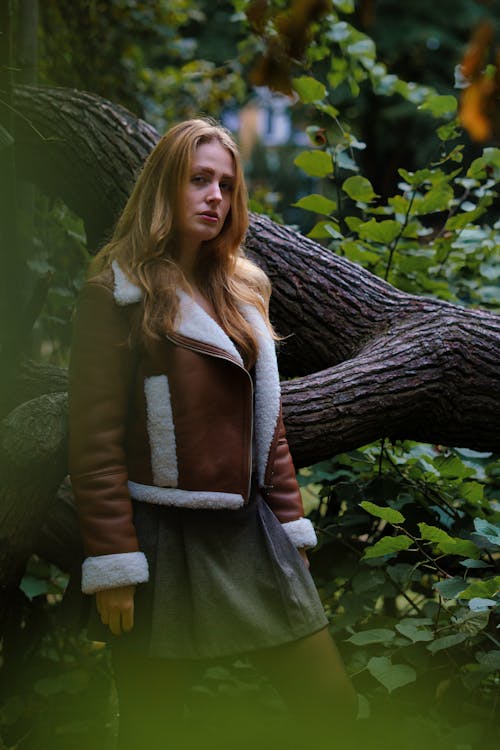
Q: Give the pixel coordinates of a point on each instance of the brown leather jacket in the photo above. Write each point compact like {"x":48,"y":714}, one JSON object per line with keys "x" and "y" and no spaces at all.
{"x":182,"y":424}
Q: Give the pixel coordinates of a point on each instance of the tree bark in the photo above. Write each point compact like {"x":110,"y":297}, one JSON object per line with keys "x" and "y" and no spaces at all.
{"x":374,"y":361}
{"x":367,"y":360}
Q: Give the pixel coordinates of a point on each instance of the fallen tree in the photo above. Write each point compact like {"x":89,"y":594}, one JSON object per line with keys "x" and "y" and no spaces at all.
{"x":365,"y":360}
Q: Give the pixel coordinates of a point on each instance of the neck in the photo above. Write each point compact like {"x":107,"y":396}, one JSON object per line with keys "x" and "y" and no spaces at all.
{"x":187,"y":261}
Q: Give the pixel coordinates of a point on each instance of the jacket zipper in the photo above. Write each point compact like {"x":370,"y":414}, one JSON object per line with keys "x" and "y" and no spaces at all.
{"x":210,"y":353}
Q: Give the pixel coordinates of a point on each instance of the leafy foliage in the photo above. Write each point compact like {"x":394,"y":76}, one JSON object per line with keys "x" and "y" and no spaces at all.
{"x":408,"y":562}
{"x":408,"y":567}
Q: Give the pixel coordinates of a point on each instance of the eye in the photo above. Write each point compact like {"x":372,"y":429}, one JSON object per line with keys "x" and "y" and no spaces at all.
{"x":199,"y":179}
{"x":227,"y":187}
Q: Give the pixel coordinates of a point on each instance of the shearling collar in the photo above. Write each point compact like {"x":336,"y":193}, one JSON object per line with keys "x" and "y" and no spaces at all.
{"x":195,"y":324}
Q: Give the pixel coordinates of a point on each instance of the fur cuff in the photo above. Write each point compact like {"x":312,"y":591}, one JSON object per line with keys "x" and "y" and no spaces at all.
{"x":301,"y":533}
{"x":109,"y":571}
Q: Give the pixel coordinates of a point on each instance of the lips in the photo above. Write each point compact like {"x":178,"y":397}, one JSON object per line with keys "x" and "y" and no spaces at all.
{"x":210,"y":216}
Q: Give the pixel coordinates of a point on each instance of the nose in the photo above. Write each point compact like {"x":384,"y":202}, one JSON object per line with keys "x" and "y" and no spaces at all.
{"x":214,"y":194}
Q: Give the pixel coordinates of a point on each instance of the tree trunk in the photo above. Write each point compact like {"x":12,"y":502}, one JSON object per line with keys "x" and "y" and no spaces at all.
{"x":368,"y":361}
{"x":388,"y":364}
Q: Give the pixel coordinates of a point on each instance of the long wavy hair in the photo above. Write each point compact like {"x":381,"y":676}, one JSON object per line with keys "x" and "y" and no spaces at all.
{"x":144,"y":242}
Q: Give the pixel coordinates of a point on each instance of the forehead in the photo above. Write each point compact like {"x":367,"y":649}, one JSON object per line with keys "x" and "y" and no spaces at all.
{"x":213,"y":156}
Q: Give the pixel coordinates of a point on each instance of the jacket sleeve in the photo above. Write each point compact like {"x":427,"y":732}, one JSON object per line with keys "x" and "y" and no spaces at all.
{"x":283,"y":493}
{"x":100,"y":381}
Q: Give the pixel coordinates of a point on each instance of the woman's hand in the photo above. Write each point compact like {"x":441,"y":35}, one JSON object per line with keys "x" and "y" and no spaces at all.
{"x":116,"y":608}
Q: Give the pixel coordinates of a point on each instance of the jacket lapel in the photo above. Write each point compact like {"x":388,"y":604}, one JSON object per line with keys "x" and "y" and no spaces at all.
{"x":195,"y":324}
{"x":267,"y":390}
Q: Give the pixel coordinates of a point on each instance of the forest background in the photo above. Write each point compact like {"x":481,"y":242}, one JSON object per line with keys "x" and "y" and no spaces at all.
{"x":391,"y":162}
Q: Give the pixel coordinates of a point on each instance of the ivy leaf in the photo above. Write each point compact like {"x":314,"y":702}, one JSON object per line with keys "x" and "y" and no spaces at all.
{"x":315,"y":163}
{"x":387,"y":546}
{"x":359,"y":189}
{"x":317,"y":203}
{"x":387,"y":514}
{"x":447,"y":641}
{"x":309,"y":89}
{"x":440,"y":105}
{"x":391,"y":676}
{"x":377,"y":635}
{"x":383,"y":232}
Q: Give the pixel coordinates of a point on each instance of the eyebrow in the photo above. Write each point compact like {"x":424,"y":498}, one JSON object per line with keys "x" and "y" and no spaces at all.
{"x":209,"y":170}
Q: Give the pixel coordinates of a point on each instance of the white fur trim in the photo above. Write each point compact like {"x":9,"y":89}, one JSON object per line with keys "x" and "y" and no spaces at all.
{"x":125,"y":293}
{"x":301,"y":533}
{"x":194,"y":323}
{"x":185,"y":498}
{"x":267,"y":390}
{"x":108,"y":571}
{"x":161,"y":431}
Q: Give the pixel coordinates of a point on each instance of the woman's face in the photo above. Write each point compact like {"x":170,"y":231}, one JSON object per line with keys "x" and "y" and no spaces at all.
{"x":206,"y":199}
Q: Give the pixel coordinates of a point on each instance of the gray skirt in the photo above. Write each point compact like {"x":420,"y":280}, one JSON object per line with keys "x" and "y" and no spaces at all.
{"x":222,"y":582}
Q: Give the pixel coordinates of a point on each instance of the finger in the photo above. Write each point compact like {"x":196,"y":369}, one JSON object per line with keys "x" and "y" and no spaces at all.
{"x":114,"y":622}
{"x":103,"y":610}
{"x":128,"y":618}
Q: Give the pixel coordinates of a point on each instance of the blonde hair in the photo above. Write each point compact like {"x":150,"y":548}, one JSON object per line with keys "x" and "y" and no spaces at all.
{"x":144,"y":242}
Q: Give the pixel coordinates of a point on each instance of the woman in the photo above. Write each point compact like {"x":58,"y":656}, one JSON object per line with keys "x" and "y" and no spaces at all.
{"x":190,"y":512}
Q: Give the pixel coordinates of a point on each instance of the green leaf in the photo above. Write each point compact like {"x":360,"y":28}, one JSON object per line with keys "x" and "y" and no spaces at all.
{"x":490,"y":158}
{"x":488,"y":530}
{"x":490,"y":659}
{"x":447,"y":641}
{"x":451,"y":588}
{"x":387,"y":546}
{"x":325,"y":230}
{"x":377,"y":635}
{"x":358,"y":253}
{"x":436,"y":199}
{"x":327,"y":109}
{"x":387,"y":514}
{"x":362,"y":47}
{"x":440,"y":105}
{"x":448,"y":132}
{"x":353,"y":222}
{"x":452,"y":467}
{"x":391,"y":676}
{"x":469,"y":563}
{"x":414,"y":633}
{"x":309,"y":89}
{"x":359,"y":189}
{"x":317,"y":203}
{"x":415,"y":179}
{"x":345,"y":6}
{"x":482,"y":589}
{"x":460,"y":547}
{"x":383,"y":232}
{"x":478,"y":604}
{"x":33,"y":586}
{"x":448,"y":544}
{"x":315,"y":163}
